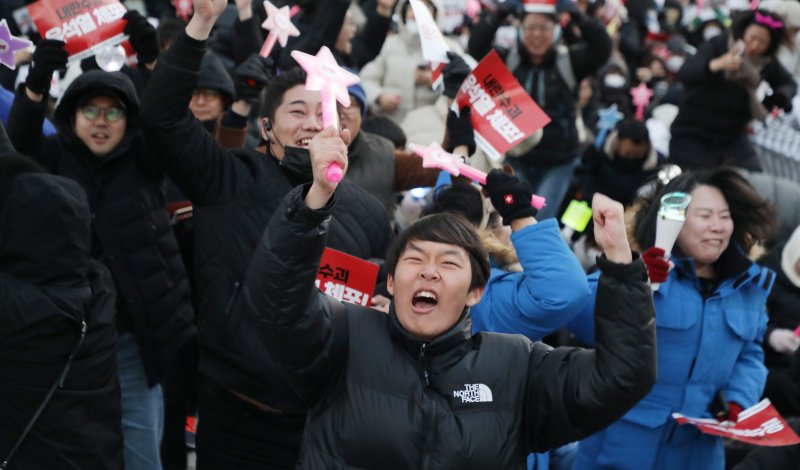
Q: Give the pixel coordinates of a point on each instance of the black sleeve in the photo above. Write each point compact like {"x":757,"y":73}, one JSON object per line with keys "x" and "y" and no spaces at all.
{"x":780,"y":80}
{"x":574,"y":392}
{"x":25,"y":121}
{"x":695,"y":70}
{"x":306,"y":330}
{"x":482,"y":36}
{"x":595,"y":49}
{"x":247,"y":39}
{"x":185,"y":149}
{"x":324,"y":31}
{"x":369,"y":42}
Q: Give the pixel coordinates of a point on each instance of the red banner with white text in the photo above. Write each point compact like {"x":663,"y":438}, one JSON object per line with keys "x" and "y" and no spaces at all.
{"x":346,"y":278}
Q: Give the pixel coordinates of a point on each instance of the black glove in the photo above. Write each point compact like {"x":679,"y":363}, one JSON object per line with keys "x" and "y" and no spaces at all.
{"x":777,"y":100}
{"x":143,"y":37}
{"x":567,"y":6}
{"x":48,"y":57}
{"x":460,"y":130}
{"x":453,"y":74}
{"x":252,"y":76}
{"x":510,"y":196}
{"x":506,"y":8}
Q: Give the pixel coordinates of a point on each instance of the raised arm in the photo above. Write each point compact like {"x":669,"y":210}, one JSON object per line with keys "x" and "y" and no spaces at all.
{"x":573,"y":392}
{"x":595,"y":48}
{"x":187,"y":152}
{"x":302,"y":328}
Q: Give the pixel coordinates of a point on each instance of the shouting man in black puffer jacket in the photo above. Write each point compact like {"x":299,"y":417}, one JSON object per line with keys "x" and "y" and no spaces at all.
{"x":414,"y":388}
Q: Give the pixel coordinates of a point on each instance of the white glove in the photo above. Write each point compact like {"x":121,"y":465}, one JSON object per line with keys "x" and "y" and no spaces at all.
{"x":784,"y":341}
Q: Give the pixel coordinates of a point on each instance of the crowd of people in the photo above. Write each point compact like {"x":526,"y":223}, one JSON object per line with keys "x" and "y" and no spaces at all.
{"x":162,"y":225}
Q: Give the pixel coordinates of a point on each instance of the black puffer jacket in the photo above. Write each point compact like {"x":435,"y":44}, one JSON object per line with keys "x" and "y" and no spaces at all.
{"x":381,"y":398}
{"x":131,"y":228}
{"x":783,"y":308}
{"x":545,"y":84}
{"x":234,"y":195}
{"x":49,"y":286}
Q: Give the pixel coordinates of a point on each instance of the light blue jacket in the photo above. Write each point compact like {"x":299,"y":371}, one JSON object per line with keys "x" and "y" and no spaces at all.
{"x":540,"y":300}
{"x":704,"y":346}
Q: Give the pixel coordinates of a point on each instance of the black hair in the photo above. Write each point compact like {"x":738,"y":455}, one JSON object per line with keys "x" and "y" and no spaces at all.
{"x":407,"y":5}
{"x":385,"y":127}
{"x":754,"y":218}
{"x":273,"y":95}
{"x":444,"y":228}
{"x":459,"y":198}
{"x":634,"y":130}
{"x":746,"y":18}
{"x":168,"y":31}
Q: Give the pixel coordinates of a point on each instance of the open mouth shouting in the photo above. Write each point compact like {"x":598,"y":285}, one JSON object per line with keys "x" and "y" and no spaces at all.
{"x":424,"y":301}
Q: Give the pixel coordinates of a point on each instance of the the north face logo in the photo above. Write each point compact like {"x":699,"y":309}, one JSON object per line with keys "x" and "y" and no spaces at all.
{"x":474,"y":393}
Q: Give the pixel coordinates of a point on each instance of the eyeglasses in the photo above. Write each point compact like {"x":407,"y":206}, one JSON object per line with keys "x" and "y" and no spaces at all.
{"x":542,"y":27}
{"x":111,"y":113}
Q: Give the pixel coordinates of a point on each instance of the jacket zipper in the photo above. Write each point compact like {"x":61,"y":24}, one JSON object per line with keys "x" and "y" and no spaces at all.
{"x":430,"y":431}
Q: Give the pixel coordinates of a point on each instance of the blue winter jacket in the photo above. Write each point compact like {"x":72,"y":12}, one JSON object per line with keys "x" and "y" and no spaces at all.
{"x":538,"y":301}
{"x":704,"y":346}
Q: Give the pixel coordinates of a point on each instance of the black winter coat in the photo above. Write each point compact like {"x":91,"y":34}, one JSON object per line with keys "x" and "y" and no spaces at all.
{"x":545,"y":84}
{"x":713,"y":108}
{"x":49,"y":286}
{"x":381,"y":398}
{"x":783,"y":309}
{"x":131,"y":229}
{"x":234,"y":194}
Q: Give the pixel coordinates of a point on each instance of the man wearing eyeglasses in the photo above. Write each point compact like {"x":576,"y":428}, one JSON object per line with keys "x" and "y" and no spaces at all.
{"x":99,"y":145}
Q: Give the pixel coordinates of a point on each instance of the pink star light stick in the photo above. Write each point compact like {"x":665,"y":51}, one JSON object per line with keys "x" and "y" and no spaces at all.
{"x":325,"y":76}
{"x":641,"y":98}
{"x":434,"y":156}
{"x":280,"y":27}
{"x":9,"y":45}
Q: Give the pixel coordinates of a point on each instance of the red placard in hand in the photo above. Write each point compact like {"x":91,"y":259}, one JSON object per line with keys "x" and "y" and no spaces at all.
{"x":759,"y":425}
{"x":502,"y":112}
{"x":85,"y":25}
{"x":346,"y":278}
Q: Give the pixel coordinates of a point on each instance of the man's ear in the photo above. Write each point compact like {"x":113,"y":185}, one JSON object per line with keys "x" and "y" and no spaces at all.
{"x":390,"y":284}
{"x":474,"y":296}
{"x":266,"y":126}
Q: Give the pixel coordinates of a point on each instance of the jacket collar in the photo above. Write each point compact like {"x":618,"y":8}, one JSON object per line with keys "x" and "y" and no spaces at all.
{"x":734,"y":269}
{"x":449,"y":345}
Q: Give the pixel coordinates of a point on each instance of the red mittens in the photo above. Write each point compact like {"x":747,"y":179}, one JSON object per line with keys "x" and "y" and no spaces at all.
{"x":657,"y":266}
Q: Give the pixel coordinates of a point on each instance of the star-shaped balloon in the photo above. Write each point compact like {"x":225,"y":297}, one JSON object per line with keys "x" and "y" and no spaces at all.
{"x":607,"y":121}
{"x":434,"y":156}
{"x":183,"y":9}
{"x":641,"y":98}
{"x":280,"y":27}
{"x":9,"y":45}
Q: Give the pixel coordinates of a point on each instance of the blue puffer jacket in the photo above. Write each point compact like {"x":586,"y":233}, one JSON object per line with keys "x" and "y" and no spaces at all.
{"x":538,"y":301}
{"x":704,"y":346}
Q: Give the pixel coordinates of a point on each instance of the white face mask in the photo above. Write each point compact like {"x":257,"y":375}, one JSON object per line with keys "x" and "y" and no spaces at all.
{"x":710,"y":32}
{"x":411,"y":27}
{"x":674,"y":63}
{"x":614,"y":80}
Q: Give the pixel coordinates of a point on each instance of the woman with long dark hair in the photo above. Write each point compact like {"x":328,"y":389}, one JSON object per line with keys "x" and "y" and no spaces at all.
{"x":721,"y":99}
{"x":710,"y":318}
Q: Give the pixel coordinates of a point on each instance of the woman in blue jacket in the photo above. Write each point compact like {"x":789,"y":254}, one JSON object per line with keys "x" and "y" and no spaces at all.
{"x":710,"y":319}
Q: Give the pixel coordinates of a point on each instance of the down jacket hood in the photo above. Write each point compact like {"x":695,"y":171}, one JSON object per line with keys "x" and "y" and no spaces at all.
{"x":96,"y":82}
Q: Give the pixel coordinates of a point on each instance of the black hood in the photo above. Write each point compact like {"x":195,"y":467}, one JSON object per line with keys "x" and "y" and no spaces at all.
{"x":95,"y":82}
{"x":214,"y":76}
{"x":45,"y":233}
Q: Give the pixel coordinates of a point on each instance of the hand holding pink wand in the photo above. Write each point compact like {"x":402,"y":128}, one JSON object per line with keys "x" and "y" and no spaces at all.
{"x":433,"y":156}
{"x":279,"y":25}
{"x":325,"y":76}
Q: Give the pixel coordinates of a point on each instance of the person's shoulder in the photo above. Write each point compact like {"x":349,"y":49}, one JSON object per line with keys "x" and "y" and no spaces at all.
{"x":502,"y":341}
{"x":379,"y":144}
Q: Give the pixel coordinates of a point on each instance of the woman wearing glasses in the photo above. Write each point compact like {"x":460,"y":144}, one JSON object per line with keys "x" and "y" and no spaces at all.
{"x":99,"y":145}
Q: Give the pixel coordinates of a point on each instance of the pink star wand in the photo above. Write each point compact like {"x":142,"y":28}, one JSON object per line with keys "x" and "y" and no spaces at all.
{"x":641,"y":98}
{"x":280,"y":27}
{"x":325,"y":76}
{"x":434,"y":156}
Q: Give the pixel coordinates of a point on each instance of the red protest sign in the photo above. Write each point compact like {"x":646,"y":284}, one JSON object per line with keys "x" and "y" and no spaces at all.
{"x":85,"y":25}
{"x":346,"y":278}
{"x":759,"y":425}
{"x":502,"y":112}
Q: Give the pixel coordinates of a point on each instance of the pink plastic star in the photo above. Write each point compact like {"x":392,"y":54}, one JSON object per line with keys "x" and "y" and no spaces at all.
{"x":641,"y":98}
{"x":183,"y":9}
{"x":434,"y":156}
{"x":325,"y":76}
{"x":280,"y":27}
{"x":9,"y":45}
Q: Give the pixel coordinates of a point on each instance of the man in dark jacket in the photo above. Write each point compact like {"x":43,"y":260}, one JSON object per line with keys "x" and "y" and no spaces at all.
{"x":100,"y":146}
{"x":57,"y":335}
{"x":234,"y":193}
{"x":415,"y":388}
{"x":550,"y":74}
